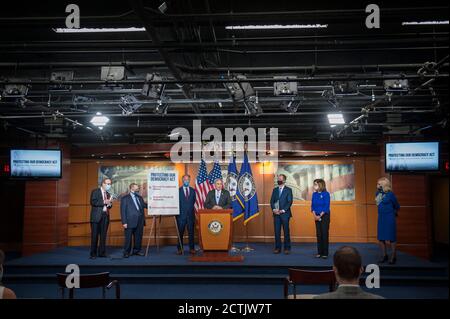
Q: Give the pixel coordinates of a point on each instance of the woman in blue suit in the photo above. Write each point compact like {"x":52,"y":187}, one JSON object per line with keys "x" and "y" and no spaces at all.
{"x":387,"y":213}
{"x":320,"y":207}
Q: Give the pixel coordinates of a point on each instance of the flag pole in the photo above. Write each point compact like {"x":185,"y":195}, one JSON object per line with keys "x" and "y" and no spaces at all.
{"x":247,"y":247}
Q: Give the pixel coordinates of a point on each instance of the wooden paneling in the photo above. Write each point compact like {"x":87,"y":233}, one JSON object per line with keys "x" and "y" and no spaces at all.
{"x":46,"y":209}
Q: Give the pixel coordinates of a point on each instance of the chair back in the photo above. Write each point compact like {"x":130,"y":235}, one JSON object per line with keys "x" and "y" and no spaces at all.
{"x":309,"y":277}
{"x":98,"y":280}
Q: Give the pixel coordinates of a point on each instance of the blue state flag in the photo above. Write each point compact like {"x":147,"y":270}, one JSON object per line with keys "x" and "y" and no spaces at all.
{"x":232,"y":185}
{"x":246,"y":193}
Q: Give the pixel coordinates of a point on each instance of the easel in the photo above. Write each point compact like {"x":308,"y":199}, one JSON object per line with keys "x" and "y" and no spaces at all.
{"x":156,"y":235}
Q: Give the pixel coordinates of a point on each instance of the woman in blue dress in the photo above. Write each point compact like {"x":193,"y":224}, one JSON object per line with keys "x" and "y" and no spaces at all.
{"x":388,"y":207}
{"x":320,"y":207}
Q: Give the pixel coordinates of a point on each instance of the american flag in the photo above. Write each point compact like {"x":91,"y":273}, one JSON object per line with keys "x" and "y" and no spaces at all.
{"x":215,"y":173}
{"x":202,"y":186}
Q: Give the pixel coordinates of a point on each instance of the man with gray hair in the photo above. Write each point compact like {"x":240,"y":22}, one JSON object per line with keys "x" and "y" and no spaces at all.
{"x":218,"y":198}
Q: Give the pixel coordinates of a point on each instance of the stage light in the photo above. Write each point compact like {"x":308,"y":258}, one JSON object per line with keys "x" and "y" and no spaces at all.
{"x":285,"y":87}
{"x":276,"y":26}
{"x":407,"y":23}
{"x":129,"y":104}
{"x":240,"y":90}
{"x":97,"y":30}
{"x":153,"y":90}
{"x":345,"y":88}
{"x":396,"y":86}
{"x":290,"y":106}
{"x":82,"y":101}
{"x":112,"y":73}
{"x":15,"y":90}
{"x":99,"y":120}
{"x":335,"y":119}
{"x":163,"y":7}
{"x":252,"y":105}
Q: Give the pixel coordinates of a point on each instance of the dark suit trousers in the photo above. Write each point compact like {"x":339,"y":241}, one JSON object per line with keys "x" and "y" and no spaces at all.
{"x":136,"y":234}
{"x":98,"y":232}
{"x":322,"y":229}
{"x":190,"y":224}
{"x":278,"y":221}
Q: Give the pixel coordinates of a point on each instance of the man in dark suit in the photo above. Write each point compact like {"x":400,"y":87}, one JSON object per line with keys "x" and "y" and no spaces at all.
{"x":133,"y":220}
{"x":101,"y":203}
{"x":186,"y":218}
{"x":218,"y":198}
{"x":281,"y":202}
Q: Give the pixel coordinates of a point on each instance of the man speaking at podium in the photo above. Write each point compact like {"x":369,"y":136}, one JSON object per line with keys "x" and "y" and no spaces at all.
{"x":218,"y":198}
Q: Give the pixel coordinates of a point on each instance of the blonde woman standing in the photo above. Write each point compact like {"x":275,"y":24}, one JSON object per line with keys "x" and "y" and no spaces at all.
{"x":388,"y":207}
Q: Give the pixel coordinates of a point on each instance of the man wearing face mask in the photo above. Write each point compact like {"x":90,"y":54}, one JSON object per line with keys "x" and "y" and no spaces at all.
{"x":281,"y":202}
{"x":133,"y":221}
{"x":186,"y":218}
{"x":101,"y":203}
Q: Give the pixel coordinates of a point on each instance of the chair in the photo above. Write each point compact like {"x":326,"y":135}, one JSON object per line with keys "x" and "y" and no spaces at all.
{"x":307,"y":277}
{"x":99,"y":280}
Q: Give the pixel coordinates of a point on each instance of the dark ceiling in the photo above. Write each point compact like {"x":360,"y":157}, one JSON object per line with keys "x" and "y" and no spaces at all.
{"x":197,"y":58}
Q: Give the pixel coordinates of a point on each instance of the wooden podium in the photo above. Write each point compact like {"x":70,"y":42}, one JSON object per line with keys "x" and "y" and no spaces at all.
{"x":215,"y":236}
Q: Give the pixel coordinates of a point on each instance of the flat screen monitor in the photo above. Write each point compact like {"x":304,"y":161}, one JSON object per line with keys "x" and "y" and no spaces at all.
{"x":35,"y":164}
{"x":412,"y":156}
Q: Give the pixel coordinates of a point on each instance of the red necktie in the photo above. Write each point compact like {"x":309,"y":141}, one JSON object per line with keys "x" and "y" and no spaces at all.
{"x":187,"y":193}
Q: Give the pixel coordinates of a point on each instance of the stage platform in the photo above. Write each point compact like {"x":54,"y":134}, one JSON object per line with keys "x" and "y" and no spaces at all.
{"x":260,"y":265}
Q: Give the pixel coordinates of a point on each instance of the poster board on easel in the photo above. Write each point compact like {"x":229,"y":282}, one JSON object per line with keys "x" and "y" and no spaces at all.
{"x":162,"y":200}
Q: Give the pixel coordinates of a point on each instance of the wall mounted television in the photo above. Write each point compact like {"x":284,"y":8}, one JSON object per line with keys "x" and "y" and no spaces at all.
{"x":412,"y":157}
{"x":35,"y":163}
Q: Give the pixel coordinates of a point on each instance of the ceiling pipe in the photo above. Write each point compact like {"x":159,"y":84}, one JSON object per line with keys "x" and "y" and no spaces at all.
{"x":347,"y":77}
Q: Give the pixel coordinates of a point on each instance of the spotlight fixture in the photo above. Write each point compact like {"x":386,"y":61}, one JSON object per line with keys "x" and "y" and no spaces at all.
{"x":163,"y":7}
{"x":15,"y":90}
{"x":99,"y":120}
{"x":129,"y":104}
{"x":240,"y":90}
{"x":82,"y":101}
{"x":345,"y":88}
{"x":57,"y":77}
{"x":286,"y":87}
{"x":335,"y":119}
{"x":396,"y":86}
{"x":112,"y":73}
{"x":252,"y":106}
{"x":153,"y":90}
{"x":290,"y":106}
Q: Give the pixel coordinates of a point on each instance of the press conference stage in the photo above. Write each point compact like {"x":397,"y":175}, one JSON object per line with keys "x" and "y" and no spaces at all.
{"x":163,"y":274}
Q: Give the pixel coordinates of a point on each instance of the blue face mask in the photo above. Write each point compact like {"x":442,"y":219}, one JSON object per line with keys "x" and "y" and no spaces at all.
{"x":107,"y":187}
{"x":186,"y":184}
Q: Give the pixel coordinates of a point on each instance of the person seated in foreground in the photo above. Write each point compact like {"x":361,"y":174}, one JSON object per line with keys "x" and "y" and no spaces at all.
{"x":347,"y":266}
{"x":5,"y":293}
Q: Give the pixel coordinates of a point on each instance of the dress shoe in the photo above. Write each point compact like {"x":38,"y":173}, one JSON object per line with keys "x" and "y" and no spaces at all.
{"x":383,"y":260}
{"x":276,"y":251}
{"x":139,"y":253}
{"x":318,"y":256}
{"x":126,"y":255}
{"x":192,"y":251}
{"x":324,"y":257}
{"x":179,"y":252}
{"x":287,"y":251}
{"x":92,"y":257}
{"x":393,"y":261}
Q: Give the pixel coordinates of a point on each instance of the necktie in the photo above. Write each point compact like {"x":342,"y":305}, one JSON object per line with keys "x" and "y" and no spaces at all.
{"x":280,"y":190}
{"x":217,"y":198}
{"x":105,"y":208}
{"x":136,"y":202}
{"x":186,"y":193}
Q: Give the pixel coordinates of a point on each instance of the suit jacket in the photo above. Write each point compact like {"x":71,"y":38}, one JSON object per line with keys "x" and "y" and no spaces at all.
{"x":129,"y":214}
{"x":348,"y":292}
{"x":187,"y":205}
{"x":224,"y":200}
{"x":285,"y":202}
{"x":97,"y":205}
